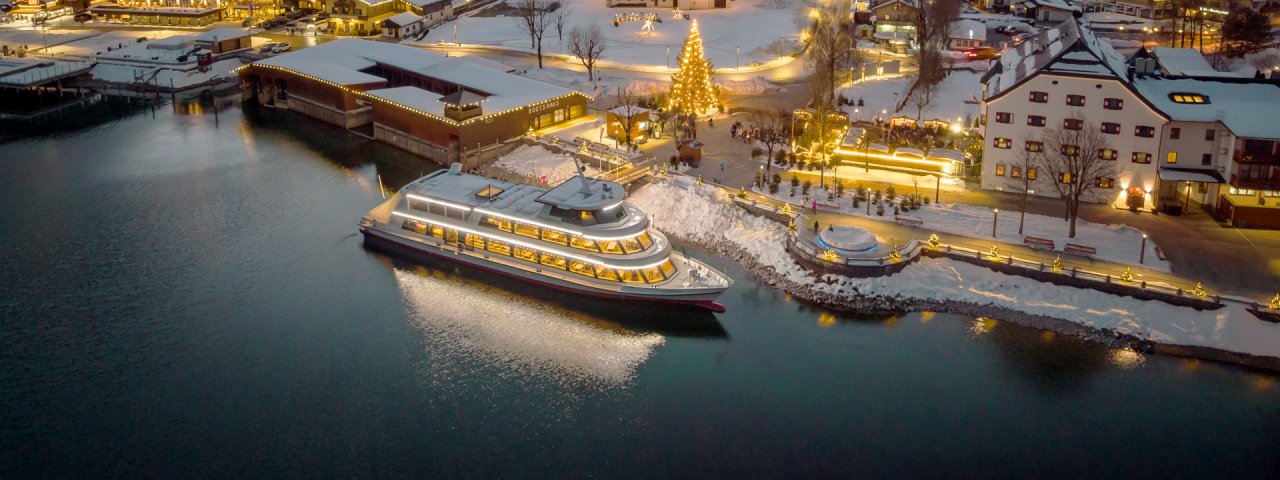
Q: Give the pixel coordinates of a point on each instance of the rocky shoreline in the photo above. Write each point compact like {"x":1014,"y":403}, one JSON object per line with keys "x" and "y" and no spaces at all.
{"x":888,"y":305}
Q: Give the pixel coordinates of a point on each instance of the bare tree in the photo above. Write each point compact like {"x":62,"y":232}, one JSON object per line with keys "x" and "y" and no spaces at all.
{"x":1025,"y":165}
{"x":561,"y":14}
{"x":1074,"y":162}
{"x":773,"y":131}
{"x":922,"y":97}
{"x":533,"y":17}
{"x":628,"y":115}
{"x":832,"y":53}
{"x":932,"y":21}
{"x":588,"y":44}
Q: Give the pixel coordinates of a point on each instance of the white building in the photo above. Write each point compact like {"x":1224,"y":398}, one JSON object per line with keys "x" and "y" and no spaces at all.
{"x":1046,"y":10}
{"x":1179,"y":135}
{"x":680,"y":4}
{"x":966,"y":33}
{"x":402,"y":25}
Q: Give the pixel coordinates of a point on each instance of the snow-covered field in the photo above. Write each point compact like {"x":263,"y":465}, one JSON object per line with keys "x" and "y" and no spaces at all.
{"x":851,"y":174}
{"x":539,"y":163}
{"x":1116,"y":243}
{"x":954,"y":98}
{"x":673,"y":203}
{"x":744,"y":25}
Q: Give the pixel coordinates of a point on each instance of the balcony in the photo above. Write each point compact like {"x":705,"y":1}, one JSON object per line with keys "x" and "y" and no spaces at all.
{"x":1256,"y":177}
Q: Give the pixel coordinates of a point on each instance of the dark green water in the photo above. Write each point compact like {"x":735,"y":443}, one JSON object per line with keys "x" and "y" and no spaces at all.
{"x":179,"y":299}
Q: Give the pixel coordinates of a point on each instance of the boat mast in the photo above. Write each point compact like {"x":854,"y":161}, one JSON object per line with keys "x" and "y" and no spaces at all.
{"x":582,"y":175}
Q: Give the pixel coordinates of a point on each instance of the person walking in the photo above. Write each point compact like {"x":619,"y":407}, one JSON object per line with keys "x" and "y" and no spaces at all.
{"x":815,"y":227}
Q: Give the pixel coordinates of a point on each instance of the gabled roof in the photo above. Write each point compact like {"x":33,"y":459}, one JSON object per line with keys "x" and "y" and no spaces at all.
{"x":1185,"y":62}
{"x":908,"y":3}
{"x":463,"y":98}
{"x":1063,"y":5}
{"x":1068,"y":48}
{"x":402,"y":19}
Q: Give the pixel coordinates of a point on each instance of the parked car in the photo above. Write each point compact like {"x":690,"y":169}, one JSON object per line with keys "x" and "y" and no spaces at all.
{"x":83,"y":17}
{"x":7,"y":5}
{"x":281,"y":47}
{"x":310,"y":11}
{"x":267,"y":48}
{"x":981,"y":53}
{"x":1004,"y":29}
{"x":296,"y":14}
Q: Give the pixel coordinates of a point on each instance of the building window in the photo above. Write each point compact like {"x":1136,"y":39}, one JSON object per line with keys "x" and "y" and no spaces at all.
{"x":999,"y":170}
{"x":1015,"y":172}
{"x":1039,"y":97}
{"x":1210,"y":134}
{"x":1111,"y":127}
{"x":1113,"y":104}
{"x":1144,"y":131}
{"x":1035,"y":120}
{"x":1070,"y":150}
{"x":1064,"y":177}
{"x":1031,"y":173}
{"x":1175,"y":133}
{"x":1141,"y":157}
{"x":1033,"y":146}
{"x":1107,"y":154}
{"x":1105,"y":182}
{"x":1188,"y":98}
{"x":1206,"y":159}
{"x":1171,"y":157}
{"x":1003,"y":143}
{"x":1004,"y":117}
{"x":1073,"y":124}
{"x":1075,"y":100}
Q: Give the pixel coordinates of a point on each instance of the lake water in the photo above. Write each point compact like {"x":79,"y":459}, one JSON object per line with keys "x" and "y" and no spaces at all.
{"x":188,"y":295}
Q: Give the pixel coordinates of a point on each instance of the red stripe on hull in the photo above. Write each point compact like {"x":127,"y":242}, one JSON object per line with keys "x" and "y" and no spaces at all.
{"x":706,"y":304}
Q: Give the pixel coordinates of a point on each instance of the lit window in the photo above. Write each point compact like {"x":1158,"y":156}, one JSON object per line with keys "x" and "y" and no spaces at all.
{"x":1031,"y":173}
{"x":499,"y":247}
{"x":1003,"y":143}
{"x":1064,"y":177}
{"x":1033,"y":146}
{"x":611,"y":247}
{"x":1107,"y":154}
{"x":555,"y":236}
{"x":606,"y":273}
{"x":1015,"y":172}
{"x":1141,"y":157}
{"x":526,"y":254}
{"x":1070,"y":150}
{"x":1172,"y":157}
{"x":999,"y":170}
{"x":553,"y":261}
{"x":581,"y":268}
{"x":526,"y":230}
{"x":1195,"y":98}
{"x":1105,"y":182}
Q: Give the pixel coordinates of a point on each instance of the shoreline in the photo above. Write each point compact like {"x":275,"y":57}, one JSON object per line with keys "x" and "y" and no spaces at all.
{"x":892,"y":305}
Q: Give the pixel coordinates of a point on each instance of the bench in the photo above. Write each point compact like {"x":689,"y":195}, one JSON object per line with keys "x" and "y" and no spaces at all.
{"x":909,"y":221}
{"x":1081,"y":250}
{"x":1037,"y":242}
{"x":1160,"y":253}
{"x":828,"y":206}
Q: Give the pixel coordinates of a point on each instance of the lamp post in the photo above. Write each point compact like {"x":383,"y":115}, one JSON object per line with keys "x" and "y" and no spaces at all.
{"x":737,"y":59}
{"x":868,"y":201}
{"x":994,"y":220}
{"x":937,"y":189}
{"x":455,"y":34}
{"x":1142,"y":254}
{"x":668,"y":57}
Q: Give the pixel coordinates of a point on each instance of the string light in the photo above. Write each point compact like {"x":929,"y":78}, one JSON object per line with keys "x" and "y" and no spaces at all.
{"x":691,"y":89}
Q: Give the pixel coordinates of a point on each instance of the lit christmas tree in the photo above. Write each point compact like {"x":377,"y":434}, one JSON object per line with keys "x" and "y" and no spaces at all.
{"x":691,"y":90}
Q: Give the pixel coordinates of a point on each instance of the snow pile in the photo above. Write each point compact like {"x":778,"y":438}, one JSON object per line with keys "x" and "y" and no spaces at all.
{"x":739,"y":87}
{"x":541,"y":164}
{"x":706,"y":215}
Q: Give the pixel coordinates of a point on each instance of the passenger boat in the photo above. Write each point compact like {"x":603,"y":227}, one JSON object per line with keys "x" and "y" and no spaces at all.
{"x":580,"y":236}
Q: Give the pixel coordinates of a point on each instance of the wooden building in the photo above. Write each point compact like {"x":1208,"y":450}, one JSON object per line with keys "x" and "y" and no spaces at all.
{"x":443,"y":108}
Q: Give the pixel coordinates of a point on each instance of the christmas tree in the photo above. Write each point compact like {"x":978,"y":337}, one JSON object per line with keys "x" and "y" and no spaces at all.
{"x":691,"y":90}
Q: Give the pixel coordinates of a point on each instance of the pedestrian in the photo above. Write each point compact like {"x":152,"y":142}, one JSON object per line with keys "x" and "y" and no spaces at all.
{"x":815,"y":227}
{"x":815,"y":206}
{"x":721,"y":166}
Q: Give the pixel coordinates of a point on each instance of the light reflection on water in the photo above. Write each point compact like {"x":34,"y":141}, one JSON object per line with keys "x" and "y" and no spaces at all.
{"x":470,"y":320}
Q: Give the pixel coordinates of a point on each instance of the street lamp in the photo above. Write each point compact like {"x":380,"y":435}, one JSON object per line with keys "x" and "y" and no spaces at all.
{"x":1142,"y":254}
{"x":668,"y":57}
{"x":868,"y":201}
{"x":994,"y":220}
{"x":737,"y":59}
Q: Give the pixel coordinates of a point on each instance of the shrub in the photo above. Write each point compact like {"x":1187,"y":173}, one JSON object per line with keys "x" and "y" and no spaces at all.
{"x":756,"y":152}
{"x":879,"y":209}
{"x":807,"y":185}
{"x":773,"y":187}
{"x":795,"y":182}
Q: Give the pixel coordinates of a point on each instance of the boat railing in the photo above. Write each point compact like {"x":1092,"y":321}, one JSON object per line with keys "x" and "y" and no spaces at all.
{"x":706,"y":275}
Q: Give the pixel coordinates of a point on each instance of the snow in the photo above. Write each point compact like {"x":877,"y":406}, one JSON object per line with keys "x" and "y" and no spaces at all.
{"x":163,"y":76}
{"x":954,"y":98}
{"x":537,"y":162}
{"x":673,"y":203}
{"x":852,"y":172}
{"x":1248,"y":109}
{"x":1115,"y":243}
{"x":848,"y":238}
{"x":744,"y":26}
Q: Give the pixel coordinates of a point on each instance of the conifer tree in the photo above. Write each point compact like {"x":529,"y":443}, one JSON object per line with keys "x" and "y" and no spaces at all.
{"x":691,"y":89}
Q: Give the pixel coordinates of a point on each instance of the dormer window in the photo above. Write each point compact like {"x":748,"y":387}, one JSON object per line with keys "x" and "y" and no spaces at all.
{"x":1193,"y":98}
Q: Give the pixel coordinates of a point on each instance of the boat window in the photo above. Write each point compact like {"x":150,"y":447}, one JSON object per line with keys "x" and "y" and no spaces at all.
{"x":526,"y":230}
{"x":653,"y":274}
{"x":631,"y":276}
{"x":554,"y":236}
{"x":475,"y":241}
{"x":414,"y":226}
{"x":435,"y":208}
{"x":644,"y":239}
{"x":497,"y":222}
{"x":450,"y":235}
{"x":668,"y":269}
{"x":611,"y":247}
{"x":553,"y":261}
{"x":581,"y":268}
{"x":585,"y":244}
{"x":586,"y":218}
{"x":437,"y":231}
{"x":458,"y":213}
{"x":499,"y":247}
{"x":606,"y":273}
{"x":631,"y":245}
{"x":526,"y":254}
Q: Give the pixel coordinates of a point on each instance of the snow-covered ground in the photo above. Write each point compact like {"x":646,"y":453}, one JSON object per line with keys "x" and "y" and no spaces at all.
{"x":537,"y":162}
{"x":744,"y":26}
{"x":954,"y":98}
{"x":851,"y":174}
{"x":1117,"y":21}
{"x":674,"y":203}
{"x":165,"y":76}
{"x":1116,"y":243}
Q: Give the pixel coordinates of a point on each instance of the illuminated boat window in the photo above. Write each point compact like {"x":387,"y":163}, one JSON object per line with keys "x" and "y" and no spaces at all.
{"x":526,"y":254}
{"x":489,"y":191}
{"x":645,"y":241}
{"x":611,"y":247}
{"x":415,"y":226}
{"x":555,"y":236}
{"x":632,"y":276}
{"x":668,"y":269}
{"x":499,"y":247}
{"x":631,"y":245}
{"x":653,"y":275}
{"x":554,"y":261}
{"x":606,"y":273}
{"x":475,"y":241}
{"x":581,"y":268}
{"x":526,"y":230}
{"x":583,"y":243}
{"x":437,"y":231}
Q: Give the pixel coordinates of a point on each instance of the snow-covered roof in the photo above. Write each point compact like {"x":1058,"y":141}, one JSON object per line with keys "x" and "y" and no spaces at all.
{"x":403,"y":19}
{"x":915,"y":152}
{"x":1067,"y":48}
{"x":424,"y":3}
{"x":344,"y":61}
{"x":1185,"y":62}
{"x":463,"y":98}
{"x":571,"y":195}
{"x":968,"y":29}
{"x":1055,"y":4}
{"x":946,"y":154}
{"x":1246,"y":107}
{"x":222,"y":34}
{"x":628,"y":110}
{"x":484,"y":62}
{"x":909,"y":3}
{"x":1207,"y":175}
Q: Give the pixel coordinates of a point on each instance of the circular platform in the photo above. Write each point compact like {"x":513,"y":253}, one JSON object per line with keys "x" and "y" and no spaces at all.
{"x":848,"y":239}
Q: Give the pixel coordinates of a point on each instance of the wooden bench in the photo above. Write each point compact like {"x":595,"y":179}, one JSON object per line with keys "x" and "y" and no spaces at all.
{"x":1081,"y":250}
{"x":1037,"y":242}
{"x":909,"y":221}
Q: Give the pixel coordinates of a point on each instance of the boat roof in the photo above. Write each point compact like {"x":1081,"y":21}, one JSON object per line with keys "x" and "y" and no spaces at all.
{"x":513,"y":198}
